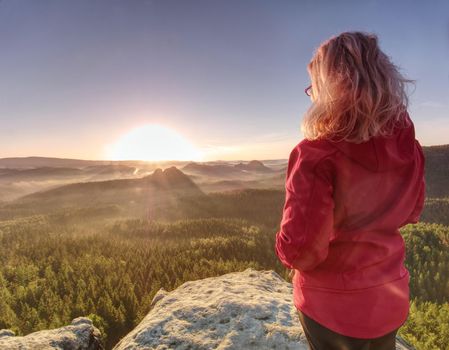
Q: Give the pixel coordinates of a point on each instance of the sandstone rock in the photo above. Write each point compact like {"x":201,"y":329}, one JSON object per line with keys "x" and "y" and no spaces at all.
{"x":241,"y":310}
{"x":6,"y":333}
{"x":79,"y":335}
{"x":158,"y":296}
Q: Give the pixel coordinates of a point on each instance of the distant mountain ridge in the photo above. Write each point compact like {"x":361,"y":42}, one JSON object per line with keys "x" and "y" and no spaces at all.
{"x":36,"y":162}
{"x":254,"y":165}
{"x":168,"y":179}
{"x":55,"y":173}
{"x":218,"y":170}
{"x":33,"y":173}
{"x":225,"y":170}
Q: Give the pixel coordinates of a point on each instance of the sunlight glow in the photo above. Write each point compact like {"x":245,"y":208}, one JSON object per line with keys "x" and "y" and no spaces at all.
{"x":153,"y":142}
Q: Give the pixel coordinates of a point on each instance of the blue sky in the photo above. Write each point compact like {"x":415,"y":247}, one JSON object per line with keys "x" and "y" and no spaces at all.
{"x":229,"y":76}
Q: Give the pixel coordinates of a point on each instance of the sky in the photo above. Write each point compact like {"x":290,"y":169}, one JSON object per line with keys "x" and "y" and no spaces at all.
{"x":227,"y":78}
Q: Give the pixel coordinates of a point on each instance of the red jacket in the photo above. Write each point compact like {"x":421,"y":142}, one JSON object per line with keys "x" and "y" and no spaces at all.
{"x":344,"y":204}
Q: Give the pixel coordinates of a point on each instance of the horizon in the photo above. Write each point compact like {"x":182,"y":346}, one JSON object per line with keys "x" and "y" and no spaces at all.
{"x":171,"y":160}
{"x":197,"y":80}
{"x":151,"y":161}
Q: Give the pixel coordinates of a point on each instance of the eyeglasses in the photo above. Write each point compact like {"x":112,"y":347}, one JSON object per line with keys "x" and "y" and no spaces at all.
{"x":308,"y":90}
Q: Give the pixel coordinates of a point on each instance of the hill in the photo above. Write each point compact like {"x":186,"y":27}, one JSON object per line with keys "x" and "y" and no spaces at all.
{"x":254,"y":165}
{"x":135,"y":196}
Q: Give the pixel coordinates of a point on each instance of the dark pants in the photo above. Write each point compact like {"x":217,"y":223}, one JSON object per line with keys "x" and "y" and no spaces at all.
{"x":322,"y":338}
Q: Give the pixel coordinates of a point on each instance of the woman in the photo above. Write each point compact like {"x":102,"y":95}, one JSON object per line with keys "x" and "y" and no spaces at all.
{"x":356,"y":178}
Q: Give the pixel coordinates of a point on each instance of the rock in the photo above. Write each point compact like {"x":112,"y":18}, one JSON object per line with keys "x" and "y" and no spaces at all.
{"x":161,"y":293}
{"x":241,"y":310}
{"x":79,"y":335}
{"x":6,"y":333}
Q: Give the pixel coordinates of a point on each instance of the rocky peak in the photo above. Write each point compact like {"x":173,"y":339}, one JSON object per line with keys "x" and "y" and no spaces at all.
{"x":170,"y":178}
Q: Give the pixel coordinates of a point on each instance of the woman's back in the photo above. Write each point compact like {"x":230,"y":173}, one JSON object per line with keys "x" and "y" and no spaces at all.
{"x":356,"y":178}
{"x":341,"y":234}
{"x":352,"y":251}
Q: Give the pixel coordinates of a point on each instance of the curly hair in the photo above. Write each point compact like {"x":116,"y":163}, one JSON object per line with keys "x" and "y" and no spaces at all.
{"x":357,"y":91}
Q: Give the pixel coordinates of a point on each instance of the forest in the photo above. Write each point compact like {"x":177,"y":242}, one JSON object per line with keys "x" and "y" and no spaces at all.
{"x":96,"y":262}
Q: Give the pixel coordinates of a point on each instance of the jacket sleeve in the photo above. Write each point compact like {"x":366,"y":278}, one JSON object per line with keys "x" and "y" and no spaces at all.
{"x":302,"y":241}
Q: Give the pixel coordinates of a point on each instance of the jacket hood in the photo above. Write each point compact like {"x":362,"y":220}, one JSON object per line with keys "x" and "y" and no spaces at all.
{"x":382,"y":153}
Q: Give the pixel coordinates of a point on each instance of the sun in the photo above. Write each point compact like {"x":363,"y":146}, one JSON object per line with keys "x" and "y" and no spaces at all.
{"x":153,"y":142}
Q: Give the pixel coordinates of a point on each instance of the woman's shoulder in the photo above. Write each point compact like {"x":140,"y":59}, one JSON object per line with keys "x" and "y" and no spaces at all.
{"x":314,"y":150}
{"x":313,"y":156}
{"x":310,"y":160}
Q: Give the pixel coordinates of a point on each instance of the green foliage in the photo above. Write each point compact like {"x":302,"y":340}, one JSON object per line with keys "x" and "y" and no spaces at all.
{"x":427,"y":326}
{"x":427,"y":259}
{"x":103,"y":263}
{"x":57,"y":273}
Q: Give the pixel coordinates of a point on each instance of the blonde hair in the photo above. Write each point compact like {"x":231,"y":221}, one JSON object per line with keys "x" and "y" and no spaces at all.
{"x":358,"y":92}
